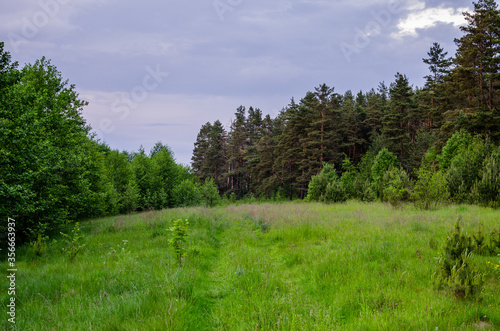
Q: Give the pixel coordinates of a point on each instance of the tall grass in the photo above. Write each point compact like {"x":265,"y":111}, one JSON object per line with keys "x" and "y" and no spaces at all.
{"x":290,"y":266}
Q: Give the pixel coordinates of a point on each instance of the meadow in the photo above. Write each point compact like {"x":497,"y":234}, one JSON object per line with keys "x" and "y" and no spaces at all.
{"x":288,"y":266}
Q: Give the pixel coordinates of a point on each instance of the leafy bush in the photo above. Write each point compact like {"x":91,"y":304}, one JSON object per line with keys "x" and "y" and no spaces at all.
{"x":488,"y":186}
{"x":335,"y":192}
{"x":382,"y":163}
{"x":187,"y":193}
{"x":349,"y":179}
{"x":454,"y":145}
{"x":210,"y":192}
{"x":396,"y":186}
{"x":431,"y":187}
{"x":318,"y":184}
{"x":464,"y":170}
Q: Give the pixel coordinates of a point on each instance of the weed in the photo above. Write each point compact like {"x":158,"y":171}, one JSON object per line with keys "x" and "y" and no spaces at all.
{"x":73,"y":246}
{"x":40,"y":245}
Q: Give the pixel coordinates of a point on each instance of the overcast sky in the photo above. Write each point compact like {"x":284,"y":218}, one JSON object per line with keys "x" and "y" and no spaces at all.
{"x":157,"y":70}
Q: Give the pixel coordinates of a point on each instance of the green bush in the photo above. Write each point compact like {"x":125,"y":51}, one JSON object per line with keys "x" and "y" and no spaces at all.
{"x":494,"y":242}
{"x":382,"y":163}
{"x":210,"y":193}
{"x":430,"y":189}
{"x":40,"y":245}
{"x":335,"y":192}
{"x":318,"y":184}
{"x":396,"y":186}
{"x":187,"y":193}
{"x":488,"y":186}
{"x":464,"y":170}
{"x":455,"y":269}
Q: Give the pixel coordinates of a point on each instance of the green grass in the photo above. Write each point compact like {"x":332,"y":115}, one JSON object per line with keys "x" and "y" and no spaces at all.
{"x":290,"y":266}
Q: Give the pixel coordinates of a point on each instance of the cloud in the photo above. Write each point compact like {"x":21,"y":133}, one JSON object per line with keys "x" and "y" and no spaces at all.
{"x":174,"y":119}
{"x":429,"y":18}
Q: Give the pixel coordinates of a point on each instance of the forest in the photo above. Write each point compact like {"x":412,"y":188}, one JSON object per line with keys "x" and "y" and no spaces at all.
{"x":396,"y":143}
{"x":427,"y":145}
{"x":53,"y":168}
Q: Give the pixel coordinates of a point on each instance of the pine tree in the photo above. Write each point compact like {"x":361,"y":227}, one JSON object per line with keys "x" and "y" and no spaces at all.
{"x":216,"y":154}
{"x":375,"y":106}
{"x":237,"y":143}
{"x":251,"y":155}
{"x":477,"y":56}
{"x":264,"y":180}
{"x":431,"y":98}
{"x":398,"y":127}
{"x":199,"y":161}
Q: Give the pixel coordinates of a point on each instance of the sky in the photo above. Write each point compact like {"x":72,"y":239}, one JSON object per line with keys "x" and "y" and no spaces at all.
{"x":158,"y":70}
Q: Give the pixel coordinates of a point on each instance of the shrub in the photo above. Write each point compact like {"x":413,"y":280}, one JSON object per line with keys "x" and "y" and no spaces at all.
{"x":480,"y":242}
{"x":40,"y":245}
{"x":178,"y":237}
{"x":335,"y":192}
{"x":494,"y":242}
{"x":129,"y":199}
{"x":464,"y":170}
{"x":73,"y":246}
{"x":455,"y":270}
{"x":318,"y":184}
{"x":348,"y":181}
{"x":457,"y":142}
{"x":382,"y":163}
{"x":187,"y":193}
{"x":210,"y":193}
{"x":430,"y":188}
{"x":488,"y":186}
{"x":396,"y":186}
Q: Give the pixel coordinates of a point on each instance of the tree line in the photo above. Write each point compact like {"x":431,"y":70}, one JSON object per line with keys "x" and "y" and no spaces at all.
{"x":421,"y":133}
{"x":53,"y":170}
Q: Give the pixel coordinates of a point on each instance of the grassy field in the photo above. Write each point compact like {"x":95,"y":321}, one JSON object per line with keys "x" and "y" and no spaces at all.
{"x":291,"y":266}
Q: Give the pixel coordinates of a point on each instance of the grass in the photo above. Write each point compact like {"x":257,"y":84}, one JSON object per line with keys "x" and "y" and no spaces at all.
{"x":290,"y":266}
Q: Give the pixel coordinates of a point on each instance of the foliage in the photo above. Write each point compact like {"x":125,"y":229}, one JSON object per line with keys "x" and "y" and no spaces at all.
{"x":178,"y":234}
{"x":335,"y":192}
{"x":464,"y":170}
{"x":187,"y":193}
{"x":488,"y":183}
{"x":54,"y":171}
{"x":72,"y":241}
{"x":494,"y":242}
{"x":431,"y":187}
{"x":396,"y":186}
{"x":319,"y":183}
{"x":455,"y":270}
{"x":210,"y":193}
{"x":383,"y":161}
{"x":40,"y":245}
